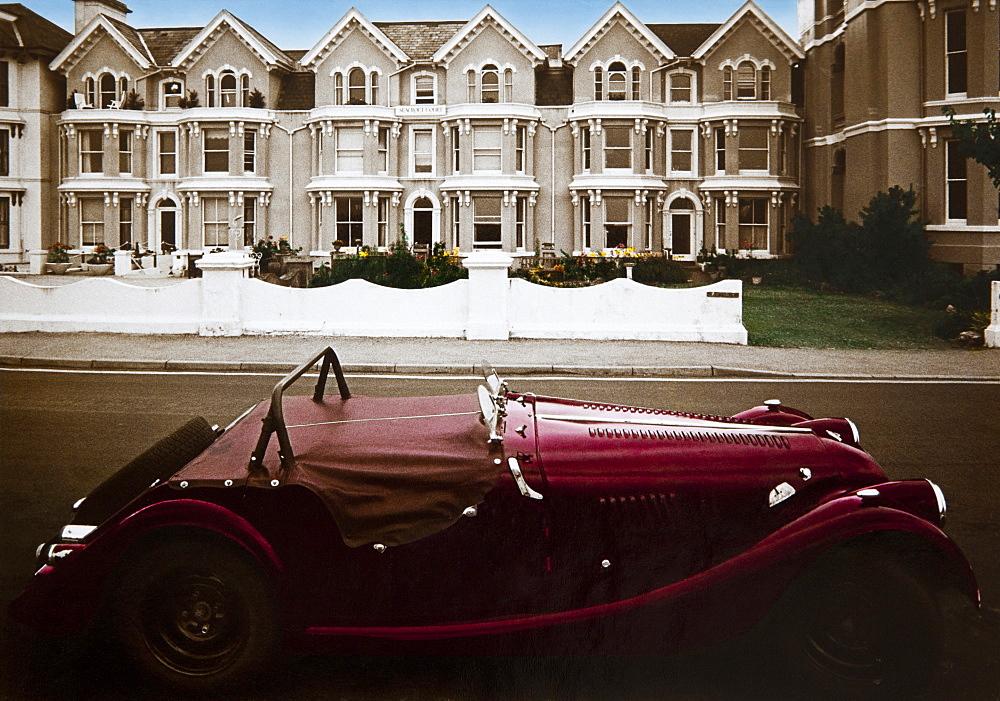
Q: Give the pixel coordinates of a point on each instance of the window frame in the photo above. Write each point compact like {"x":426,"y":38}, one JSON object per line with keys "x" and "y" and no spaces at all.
{"x":610,"y":152}
{"x":126,"y":224}
{"x":96,"y":225}
{"x":415,"y":133}
{"x":5,"y":233}
{"x":91,"y":159}
{"x":611,"y":202}
{"x":676,"y":152}
{"x":5,"y":143}
{"x":747,"y":153}
{"x":956,"y":56}
{"x":126,"y":145}
{"x":216,"y":207}
{"x":421,"y":96}
{"x":746,"y":81}
{"x":672,"y":89}
{"x":488,"y":222}
{"x":214,"y":154}
{"x":489,"y":152}
{"x":249,"y":151}
{"x":249,"y":220}
{"x":346,"y":228}
{"x":748,"y":230}
{"x":353,"y":153}
{"x":161,"y":154}
{"x":955,"y":181}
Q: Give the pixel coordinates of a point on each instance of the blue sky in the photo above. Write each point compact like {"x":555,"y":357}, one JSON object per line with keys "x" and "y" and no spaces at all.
{"x":299,"y":24}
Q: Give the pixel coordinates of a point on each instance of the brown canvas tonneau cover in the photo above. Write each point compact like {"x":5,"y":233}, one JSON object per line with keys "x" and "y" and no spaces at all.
{"x":391,"y":470}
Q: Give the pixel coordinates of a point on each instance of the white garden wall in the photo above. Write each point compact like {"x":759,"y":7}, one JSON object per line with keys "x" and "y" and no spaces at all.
{"x":226,"y":302}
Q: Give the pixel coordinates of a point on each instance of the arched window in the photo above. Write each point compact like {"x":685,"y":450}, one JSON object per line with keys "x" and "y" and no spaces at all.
{"x":490,"y":83}
{"x":109,"y":90}
{"x":636,"y":72}
{"x":122,"y":87}
{"x":244,"y":90}
{"x":508,"y":85}
{"x":727,"y":83}
{"x":338,"y":88}
{"x":617,"y":81}
{"x":90,"y":91}
{"x":227,"y":89}
{"x":682,"y":203}
{"x":356,"y":87}
{"x":472,"y":86}
{"x":423,"y":90}
{"x":746,"y":81}
{"x":373,"y":83}
{"x":765,"y":83}
{"x":210,"y":90}
{"x":598,"y":83}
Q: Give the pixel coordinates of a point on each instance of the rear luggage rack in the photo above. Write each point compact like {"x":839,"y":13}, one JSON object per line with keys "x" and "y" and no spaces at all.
{"x":274,"y":421}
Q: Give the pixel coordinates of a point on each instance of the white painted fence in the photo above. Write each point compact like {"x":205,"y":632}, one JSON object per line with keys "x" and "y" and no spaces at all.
{"x":489,"y":305}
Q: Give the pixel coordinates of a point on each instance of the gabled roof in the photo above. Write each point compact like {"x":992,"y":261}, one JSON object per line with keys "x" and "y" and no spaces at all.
{"x":24,"y":30}
{"x":683,"y":39}
{"x":348,"y":23}
{"x":420,"y":40}
{"x":751,"y":13}
{"x":126,"y":37}
{"x":489,"y":16}
{"x":257,"y":42}
{"x":619,"y":13}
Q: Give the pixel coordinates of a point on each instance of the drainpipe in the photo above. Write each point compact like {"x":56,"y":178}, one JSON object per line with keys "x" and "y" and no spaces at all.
{"x":552,"y":183}
{"x":291,"y":176}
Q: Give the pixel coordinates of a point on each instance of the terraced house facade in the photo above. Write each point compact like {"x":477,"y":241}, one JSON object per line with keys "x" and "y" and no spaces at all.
{"x":661,"y":137}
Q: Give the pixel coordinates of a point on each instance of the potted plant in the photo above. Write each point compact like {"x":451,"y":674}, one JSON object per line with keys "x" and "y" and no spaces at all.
{"x":100,"y":261}
{"x":57,"y":260}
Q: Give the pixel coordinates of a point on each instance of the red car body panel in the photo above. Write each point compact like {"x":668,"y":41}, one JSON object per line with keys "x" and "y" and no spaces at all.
{"x":639,"y":509}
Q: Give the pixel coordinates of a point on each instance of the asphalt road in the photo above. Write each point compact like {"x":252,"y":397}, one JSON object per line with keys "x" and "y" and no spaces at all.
{"x":61,"y":433}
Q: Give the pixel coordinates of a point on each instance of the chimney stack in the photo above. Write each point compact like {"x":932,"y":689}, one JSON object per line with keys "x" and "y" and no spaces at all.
{"x":87,"y":10}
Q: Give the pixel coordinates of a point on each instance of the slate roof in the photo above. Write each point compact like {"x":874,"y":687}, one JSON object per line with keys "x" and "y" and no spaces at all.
{"x":131,"y":35}
{"x":38,"y":35}
{"x":683,"y":39}
{"x":165,"y":43}
{"x":419,"y":40}
{"x":264,"y":40}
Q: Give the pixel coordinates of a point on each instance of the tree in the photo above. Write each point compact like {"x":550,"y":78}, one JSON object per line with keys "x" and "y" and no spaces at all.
{"x":979,"y":141}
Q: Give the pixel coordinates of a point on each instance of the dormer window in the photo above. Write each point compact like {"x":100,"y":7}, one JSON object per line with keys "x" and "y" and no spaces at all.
{"x":109,"y":90}
{"x":423,"y":90}
{"x":680,"y":87}
{"x":173,"y":90}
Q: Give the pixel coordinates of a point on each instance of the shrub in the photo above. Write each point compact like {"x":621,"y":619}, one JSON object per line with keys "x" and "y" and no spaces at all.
{"x":658,"y":270}
{"x":398,"y":268}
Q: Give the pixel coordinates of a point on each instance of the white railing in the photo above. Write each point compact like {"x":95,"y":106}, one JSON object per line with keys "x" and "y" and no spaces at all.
{"x":487,"y":306}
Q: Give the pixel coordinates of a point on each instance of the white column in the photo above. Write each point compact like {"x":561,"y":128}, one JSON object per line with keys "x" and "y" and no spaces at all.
{"x":221,"y":288}
{"x":123,"y":262}
{"x":36,"y":261}
{"x":992,"y":333}
{"x":489,"y":294}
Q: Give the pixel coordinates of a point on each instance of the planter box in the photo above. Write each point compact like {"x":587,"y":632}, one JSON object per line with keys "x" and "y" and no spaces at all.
{"x":98,"y":268}
{"x":57,"y":268}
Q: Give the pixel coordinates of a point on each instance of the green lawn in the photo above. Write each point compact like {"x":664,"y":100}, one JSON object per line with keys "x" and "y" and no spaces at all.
{"x":795,"y":317}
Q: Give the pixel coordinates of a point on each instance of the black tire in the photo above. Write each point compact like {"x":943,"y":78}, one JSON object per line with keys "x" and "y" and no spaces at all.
{"x":854,"y":629}
{"x":160,"y":462}
{"x":197,"y":615}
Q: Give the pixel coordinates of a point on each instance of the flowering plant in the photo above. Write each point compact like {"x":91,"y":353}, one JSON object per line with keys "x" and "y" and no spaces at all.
{"x":58,"y":253}
{"x":101,"y":255}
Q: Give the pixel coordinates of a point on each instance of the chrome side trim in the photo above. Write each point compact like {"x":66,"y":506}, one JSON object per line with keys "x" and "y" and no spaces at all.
{"x":76,"y":532}
{"x":855,"y":433}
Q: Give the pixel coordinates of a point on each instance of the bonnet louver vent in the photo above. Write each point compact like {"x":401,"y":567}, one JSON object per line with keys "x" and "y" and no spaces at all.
{"x":729,"y":437}
{"x":642,"y":509}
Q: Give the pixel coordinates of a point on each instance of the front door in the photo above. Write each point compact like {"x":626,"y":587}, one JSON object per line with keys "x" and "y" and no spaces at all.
{"x":680,"y":229}
{"x":422,"y":227}
{"x":168,"y":228}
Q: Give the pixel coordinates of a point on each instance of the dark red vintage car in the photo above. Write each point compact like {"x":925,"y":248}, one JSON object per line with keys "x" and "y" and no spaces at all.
{"x":505,"y":521}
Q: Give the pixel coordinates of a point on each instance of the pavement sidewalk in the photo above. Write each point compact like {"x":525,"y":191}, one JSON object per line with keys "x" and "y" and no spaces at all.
{"x":516,"y":357}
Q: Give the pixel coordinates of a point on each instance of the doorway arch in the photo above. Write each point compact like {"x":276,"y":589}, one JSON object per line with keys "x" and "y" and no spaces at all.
{"x":423,"y":218}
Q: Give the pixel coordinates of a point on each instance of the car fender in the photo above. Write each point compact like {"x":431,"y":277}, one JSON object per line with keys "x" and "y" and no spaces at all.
{"x":63,"y":599}
{"x":797,"y":543}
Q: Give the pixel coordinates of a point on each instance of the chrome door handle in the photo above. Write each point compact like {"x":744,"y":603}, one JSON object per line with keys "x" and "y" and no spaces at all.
{"x":515,"y":469}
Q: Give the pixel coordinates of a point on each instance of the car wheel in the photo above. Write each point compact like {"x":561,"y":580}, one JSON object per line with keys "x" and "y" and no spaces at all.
{"x":197,"y":615}
{"x":861,"y":631}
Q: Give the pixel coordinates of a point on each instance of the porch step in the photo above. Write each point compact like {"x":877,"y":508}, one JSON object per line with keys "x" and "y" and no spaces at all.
{"x":695,"y":274}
